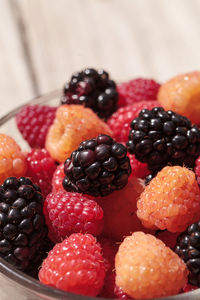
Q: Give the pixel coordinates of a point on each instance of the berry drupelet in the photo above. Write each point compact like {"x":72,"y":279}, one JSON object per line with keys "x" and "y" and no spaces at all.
{"x":188,"y":248}
{"x":22,"y":226}
{"x":158,"y":138}
{"x":94,"y":89}
{"x":137,"y":90}
{"x":40,"y":168}
{"x":66,"y":213}
{"x":98,"y":167}
{"x":33,"y":121}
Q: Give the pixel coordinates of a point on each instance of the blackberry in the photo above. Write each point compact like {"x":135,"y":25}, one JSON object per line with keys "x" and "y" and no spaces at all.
{"x":42,"y":253}
{"x":149,"y":178}
{"x":94,"y":89}
{"x":188,"y":248}
{"x":158,"y":138}
{"x":22,"y":224}
{"x":98,"y":167}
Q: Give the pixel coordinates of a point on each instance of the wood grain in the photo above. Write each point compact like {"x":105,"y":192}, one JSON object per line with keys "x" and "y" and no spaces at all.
{"x":15,"y":83}
{"x":46,"y":40}
{"x":127,"y":37}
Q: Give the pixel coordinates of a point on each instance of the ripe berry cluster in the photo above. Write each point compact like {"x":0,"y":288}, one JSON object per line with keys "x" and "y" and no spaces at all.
{"x":94,"y":89}
{"x":98,"y":167}
{"x":158,"y":137}
{"x":23,"y":228}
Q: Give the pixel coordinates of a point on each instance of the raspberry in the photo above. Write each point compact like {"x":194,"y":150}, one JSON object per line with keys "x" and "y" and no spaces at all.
{"x":40,"y":167}
{"x":197,"y":169}
{"x":57,"y":178}
{"x":109,"y":250}
{"x":120,"y":218}
{"x":168,"y":238}
{"x":67,"y":213}
{"x":22,"y":227}
{"x":119,"y":293}
{"x":171,"y":200}
{"x":75,"y":265}
{"x":188,"y":288}
{"x":98,"y":167}
{"x":72,"y":125}
{"x":160,"y":137}
{"x":120,"y":121}
{"x":182,"y":95}
{"x":146,"y":268}
{"x":108,"y":290}
{"x":12,"y":159}
{"x":33,"y":122}
{"x":138,"y":89}
{"x":139,"y":169}
{"x":94,"y":89}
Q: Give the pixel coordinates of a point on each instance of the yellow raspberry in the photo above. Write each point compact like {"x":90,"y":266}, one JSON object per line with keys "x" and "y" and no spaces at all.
{"x":182,"y":95}
{"x":171,"y":201}
{"x":12,"y":159}
{"x":146,"y":268}
{"x":72,"y":125}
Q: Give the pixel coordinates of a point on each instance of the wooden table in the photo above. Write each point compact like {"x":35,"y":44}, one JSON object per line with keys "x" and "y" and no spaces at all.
{"x":43,"y":41}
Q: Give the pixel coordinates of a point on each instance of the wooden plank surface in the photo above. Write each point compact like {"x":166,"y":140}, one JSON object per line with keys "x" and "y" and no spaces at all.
{"x":46,"y":40}
{"x":15,"y":83}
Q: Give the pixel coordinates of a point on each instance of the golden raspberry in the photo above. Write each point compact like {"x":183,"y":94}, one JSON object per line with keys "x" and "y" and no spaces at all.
{"x":171,"y":201}
{"x":146,"y":268}
{"x":182,"y":95}
{"x":72,"y":125}
{"x":12,"y":160}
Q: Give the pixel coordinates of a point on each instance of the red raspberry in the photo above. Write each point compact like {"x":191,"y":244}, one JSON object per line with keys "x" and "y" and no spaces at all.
{"x":138,"y":89}
{"x":67,"y":213}
{"x":197,"y":169}
{"x":168,"y":238}
{"x":120,"y":218}
{"x":57,"y":178}
{"x":33,"y":122}
{"x":188,"y":288}
{"x":139,"y":169}
{"x":119,"y":293}
{"x":120,"y":121}
{"x":40,"y":167}
{"x":109,"y":285}
{"x":109,"y":250}
{"x":110,"y":289}
{"x":76,"y":265}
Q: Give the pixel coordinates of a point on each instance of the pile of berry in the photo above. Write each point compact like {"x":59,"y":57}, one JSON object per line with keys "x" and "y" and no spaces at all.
{"x":107,"y":202}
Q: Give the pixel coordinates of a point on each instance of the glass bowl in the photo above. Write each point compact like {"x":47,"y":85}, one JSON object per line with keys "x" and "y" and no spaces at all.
{"x":17,"y":285}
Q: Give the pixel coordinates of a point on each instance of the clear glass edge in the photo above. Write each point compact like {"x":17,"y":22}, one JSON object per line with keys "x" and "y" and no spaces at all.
{"x":33,"y":284}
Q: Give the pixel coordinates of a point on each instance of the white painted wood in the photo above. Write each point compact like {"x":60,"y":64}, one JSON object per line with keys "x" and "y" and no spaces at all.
{"x":15,"y":84}
{"x":127,"y":37}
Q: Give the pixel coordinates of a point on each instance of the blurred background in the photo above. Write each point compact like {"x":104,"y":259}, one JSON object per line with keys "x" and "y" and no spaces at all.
{"x":43,"y":41}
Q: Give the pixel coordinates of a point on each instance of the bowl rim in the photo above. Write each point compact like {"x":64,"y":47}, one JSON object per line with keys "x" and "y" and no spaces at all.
{"x":34,"y":285}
